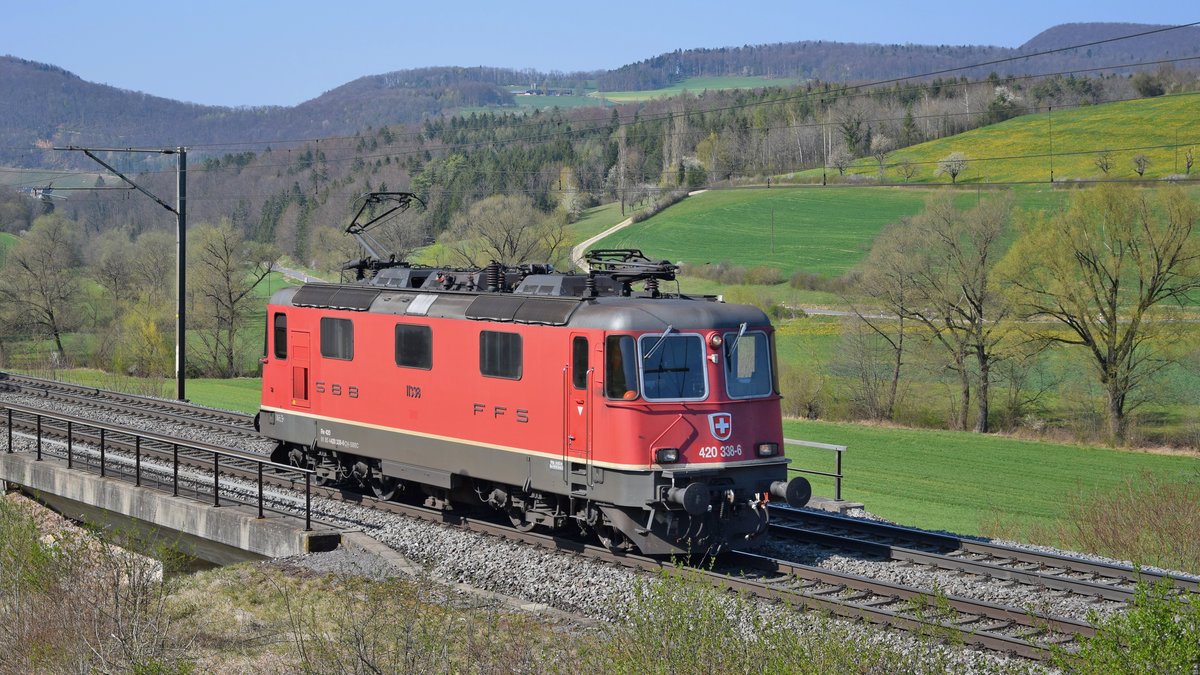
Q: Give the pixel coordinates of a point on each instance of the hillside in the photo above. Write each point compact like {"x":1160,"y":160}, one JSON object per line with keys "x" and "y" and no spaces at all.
{"x":1017,"y":150}
{"x":48,"y":106}
{"x":851,"y":62}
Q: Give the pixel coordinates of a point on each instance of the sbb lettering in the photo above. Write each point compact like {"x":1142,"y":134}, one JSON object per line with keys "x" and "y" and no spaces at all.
{"x":335,"y":389}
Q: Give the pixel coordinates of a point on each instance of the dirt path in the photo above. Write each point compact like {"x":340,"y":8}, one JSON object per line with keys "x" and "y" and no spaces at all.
{"x":578,"y":251}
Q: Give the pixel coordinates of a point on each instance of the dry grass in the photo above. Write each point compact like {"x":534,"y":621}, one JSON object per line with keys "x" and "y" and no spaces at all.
{"x":1148,"y":519}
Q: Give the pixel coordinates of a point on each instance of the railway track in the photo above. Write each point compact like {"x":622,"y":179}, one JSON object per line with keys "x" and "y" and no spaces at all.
{"x":232,"y":426}
{"x":925,"y":611}
{"x":1088,"y":578}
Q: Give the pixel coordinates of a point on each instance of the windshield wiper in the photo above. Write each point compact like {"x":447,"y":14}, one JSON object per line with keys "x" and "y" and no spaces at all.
{"x":659,"y":343}
{"x":733,"y":347}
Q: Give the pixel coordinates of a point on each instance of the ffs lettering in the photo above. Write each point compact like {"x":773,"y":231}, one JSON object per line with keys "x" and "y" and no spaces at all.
{"x":499,"y":412}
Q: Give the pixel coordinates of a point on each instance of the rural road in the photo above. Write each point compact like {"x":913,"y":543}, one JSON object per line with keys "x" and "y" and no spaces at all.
{"x":578,"y":251}
{"x":294,"y":274}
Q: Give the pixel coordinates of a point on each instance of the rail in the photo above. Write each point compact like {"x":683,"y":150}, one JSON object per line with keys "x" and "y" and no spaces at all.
{"x":205,"y":451}
{"x":837,"y":471}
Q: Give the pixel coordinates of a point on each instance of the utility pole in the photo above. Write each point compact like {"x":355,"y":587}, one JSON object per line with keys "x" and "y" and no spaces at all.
{"x":1050,"y":125}
{"x":180,"y":211}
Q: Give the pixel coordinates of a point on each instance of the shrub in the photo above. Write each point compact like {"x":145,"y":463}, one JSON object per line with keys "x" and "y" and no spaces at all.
{"x":803,"y":391}
{"x":1158,"y":633}
{"x":1149,"y":520}
{"x":764,"y":276}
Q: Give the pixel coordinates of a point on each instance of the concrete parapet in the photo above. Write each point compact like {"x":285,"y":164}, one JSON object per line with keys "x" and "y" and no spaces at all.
{"x":219,"y":534}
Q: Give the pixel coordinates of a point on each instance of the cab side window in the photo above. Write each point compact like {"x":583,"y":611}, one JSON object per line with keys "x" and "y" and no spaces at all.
{"x":281,"y":345}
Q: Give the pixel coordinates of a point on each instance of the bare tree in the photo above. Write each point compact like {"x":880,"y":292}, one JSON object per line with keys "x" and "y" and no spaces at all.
{"x":880,"y":147}
{"x":841,"y":160}
{"x":38,"y":284}
{"x":225,"y":270}
{"x":1104,"y":161}
{"x":1098,"y":269}
{"x":622,"y":165}
{"x":945,"y":258}
{"x":1189,"y":156}
{"x":888,"y":280}
{"x":153,"y":265}
{"x":907,"y":169}
{"x":1140,"y":164}
{"x":110,"y":263}
{"x":507,"y":229}
{"x":952,"y":165}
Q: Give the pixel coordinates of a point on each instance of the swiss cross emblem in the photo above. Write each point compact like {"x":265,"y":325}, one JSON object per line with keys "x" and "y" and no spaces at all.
{"x":721,"y":425}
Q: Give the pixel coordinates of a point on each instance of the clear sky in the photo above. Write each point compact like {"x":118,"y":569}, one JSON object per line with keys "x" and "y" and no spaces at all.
{"x":258,"y":52}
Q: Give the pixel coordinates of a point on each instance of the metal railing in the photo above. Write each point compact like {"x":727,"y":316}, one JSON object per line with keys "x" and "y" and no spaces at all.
{"x":200,"y":453}
{"x":837,"y":472}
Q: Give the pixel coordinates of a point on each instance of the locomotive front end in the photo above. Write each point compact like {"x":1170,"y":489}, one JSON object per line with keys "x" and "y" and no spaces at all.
{"x":704,"y":406}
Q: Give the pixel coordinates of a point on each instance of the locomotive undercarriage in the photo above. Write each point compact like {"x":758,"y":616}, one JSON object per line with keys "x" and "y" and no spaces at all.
{"x":685,"y":518}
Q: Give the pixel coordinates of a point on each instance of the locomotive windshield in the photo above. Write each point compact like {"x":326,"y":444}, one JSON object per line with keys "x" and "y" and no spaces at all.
{"x":672,"y":367}
{"x":748,"y":365}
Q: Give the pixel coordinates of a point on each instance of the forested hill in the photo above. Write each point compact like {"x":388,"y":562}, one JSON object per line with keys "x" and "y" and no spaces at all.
{"x":847,"y":62}
{"x":47,"y":106}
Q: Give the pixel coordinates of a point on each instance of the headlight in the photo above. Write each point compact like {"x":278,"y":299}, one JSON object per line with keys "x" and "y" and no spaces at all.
{"x":666,"y":455}
{"x":768,"y":449}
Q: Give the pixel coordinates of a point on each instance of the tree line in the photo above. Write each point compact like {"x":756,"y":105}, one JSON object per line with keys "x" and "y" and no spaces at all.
{"x":987,"y":292}
{"x":108,"y":301}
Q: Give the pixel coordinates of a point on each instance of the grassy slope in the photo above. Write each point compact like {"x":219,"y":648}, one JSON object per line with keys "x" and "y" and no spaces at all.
{"x":823,"y":231}
{"x":958,"y":481}
{"x":6,"y":242}
{"x":694,"y":85}
{"x":1126,"y":128}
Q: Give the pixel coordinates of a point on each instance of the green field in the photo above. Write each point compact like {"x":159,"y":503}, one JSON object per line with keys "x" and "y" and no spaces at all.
{"x":35,"y":178}
{"x":959,"y":481}
{"x":695,"y":85}
{"x":820,"y":231}
{"x":823,"y":231}
{"x":1017,"y":150}
{"x":545,"y":102}
{"x":6,"y":242}
{"x":594,"y":221}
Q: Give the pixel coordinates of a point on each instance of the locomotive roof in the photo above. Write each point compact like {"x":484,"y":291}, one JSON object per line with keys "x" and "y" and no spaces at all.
{"x":607,"y":312}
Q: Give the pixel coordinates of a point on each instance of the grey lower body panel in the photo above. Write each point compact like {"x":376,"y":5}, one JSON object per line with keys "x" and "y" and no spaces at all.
{"x":633,"y":501}
{"x":430,"y":460}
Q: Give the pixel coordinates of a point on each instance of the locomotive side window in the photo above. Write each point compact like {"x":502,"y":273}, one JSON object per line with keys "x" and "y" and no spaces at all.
{"x":280,"y":335}
{"x":673,"y":367}
{"x":414,"y":346}
{"x":620,"y":367}
{"x":337,"y":338}
{"x":500,"y":354}
{"x":748,"y":365}
{"x":579,"y":362}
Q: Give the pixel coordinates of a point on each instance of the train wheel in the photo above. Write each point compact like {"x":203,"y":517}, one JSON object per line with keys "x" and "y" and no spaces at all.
{"x":384,"y":487}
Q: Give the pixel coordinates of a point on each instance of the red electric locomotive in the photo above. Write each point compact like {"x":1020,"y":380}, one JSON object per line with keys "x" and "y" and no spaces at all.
{"x":651,"y":419}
